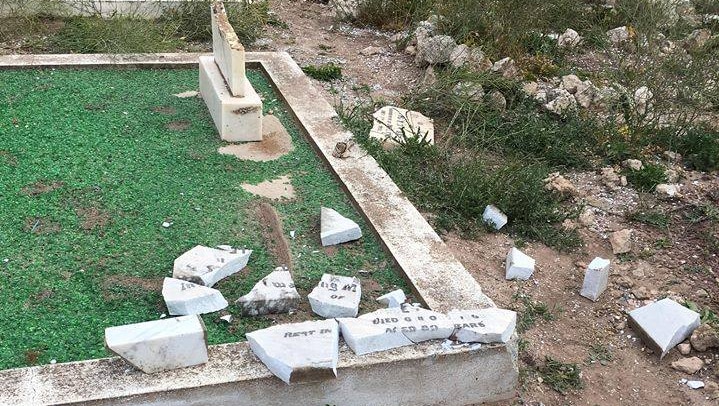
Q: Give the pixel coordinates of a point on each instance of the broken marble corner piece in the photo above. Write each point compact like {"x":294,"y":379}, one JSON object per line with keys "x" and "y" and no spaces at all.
{"x":393,"y":125}
{"x":298,"y":352}
{"x":494,"y":217}
{"x":518,"y":265}
{"x":394,"y":298}
{"x":236,"y":118}
{"x":337,"y":229}
{"x":490,"y":325}
{"x":385,"y":329}
{"x":595,"y":279}
{"x":663,"y":324}
{"x":207,"y":266}
{"x":336,"y":296}
{"x":185,"y":298}
{"x":160,"y":345}
{"x":275,"y":293}
{"x":228,"y":51}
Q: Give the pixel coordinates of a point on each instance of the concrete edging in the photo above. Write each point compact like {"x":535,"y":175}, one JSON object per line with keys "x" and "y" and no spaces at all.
{"x":422,"y":374}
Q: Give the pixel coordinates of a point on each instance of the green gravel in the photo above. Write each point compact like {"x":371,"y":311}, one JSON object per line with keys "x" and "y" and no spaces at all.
{"x":95,"y":136}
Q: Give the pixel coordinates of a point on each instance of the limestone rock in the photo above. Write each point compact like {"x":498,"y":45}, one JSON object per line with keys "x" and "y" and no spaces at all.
{"x":394,"y":298}
{"x":469,"y":90}
{"x":609,"y":176}
{"x":618,"y":35}
{"x":530,"y":88}
{"x":459,"y":56}
{"x":704,"y":338}
{"x":434,"y":50}
{"x":633,"y":164}
{"x":585,"y":94}
{"x":186,"y":298}
{"x":336,"y":296}
{"x":206,"y":266}
{"x":689,"y":366}
{"x":667,"y":190}
{"x":494,"y":217}
{"x":370,"y":50}
{"x":477,"y":61}
{"x":570,"y":83}
{"x":569,"y":39}
{"x":490,"y":325}
{"x":497,"y":100}
{"x":518,"y":265}
{"x":558,"y":183}
{"x":275,"y":293}
{"x":663,"y":324}
{"x":621,"y":241}
{"x":596,"y":278}
{"x":298,"y":352}
{"x":160,"y":345}
{"x":337,"y":229}
{"x":587,"y":217}
{"x":393,"y":126}
{"x":562,"y":104}
{"x":642,"y":100}
{"x":684,"y":348}
{"x":698,"y":38}
{"x":505,"y":67}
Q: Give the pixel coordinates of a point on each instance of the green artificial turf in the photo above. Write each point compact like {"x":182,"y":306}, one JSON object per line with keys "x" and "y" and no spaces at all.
{"x":95,"y":137}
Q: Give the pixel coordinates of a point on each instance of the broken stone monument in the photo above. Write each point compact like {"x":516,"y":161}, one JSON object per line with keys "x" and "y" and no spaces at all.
{"x":185,"y":298}
{"x":336,"y":296}
{"x":595,"y":279}
{"x":393,"y":126}
{"x":490,"y":325}
{"x":275,"y":293}
{"x":207,"y":266}
{"x":234,"y":105}
{"x":494,"y":217}
{"x":663,"y":324}
{"x":298,"y":352}
{"x":518,"y":265}
{"x":394,"y":298}
{"x":160,"y":345}
{"x":337,"y":229}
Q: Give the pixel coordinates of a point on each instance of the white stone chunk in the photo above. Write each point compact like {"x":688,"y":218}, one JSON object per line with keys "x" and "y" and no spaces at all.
{"x":394,"y":298}
{"x":337,"y":229}
{"x":185,"y":298}
{"x":227,"y":50}
{"x":519,"y":265}
{"x":393,"y":125}
{"x":275,"y":293}
{"x":298,"y":352}
{"x":207,"y":266}
{"x":494,"y":217}
{"x":595,"y":278}
{"x":160,"y":345}
{"x":490,"y":325}
{"x":663,"y":324}
{"x":336,"y":296}
{"x":416,"y":323}
{"x":365,"y":336}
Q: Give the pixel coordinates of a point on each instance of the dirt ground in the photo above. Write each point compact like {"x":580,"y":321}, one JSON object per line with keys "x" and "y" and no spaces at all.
{"x":633,"y":374}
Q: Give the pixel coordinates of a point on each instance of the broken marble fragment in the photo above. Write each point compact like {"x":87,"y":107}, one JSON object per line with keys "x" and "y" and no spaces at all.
{"x":490,"y":325}
{"x":416,"y":323}
{"x":298,"y":352}
{"x":336,"y":296}
{"x":595,"y":279}
{"x":185,"y":298}
{"x":494,"y":217}
{"x":337,"y":229}
{"x":663,"y":324}
{"x":365,"y":336}
{"x":393,"y":126}
{"x":394,"y":298}
{"x":275,"y":293}
{"x":518,"y":265}
{"x":160,"y":345}
{"x":206,"y":266}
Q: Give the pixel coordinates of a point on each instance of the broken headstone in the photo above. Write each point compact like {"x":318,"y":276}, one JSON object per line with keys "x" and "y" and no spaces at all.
{"x":298,"y":352}
{"x":365,"y":336}
{"x":393,"y":125}
{"x":490,"y":325}
{"x":494,"y":217}
{"x":336,"y":296}
{"x":207,"y":266}
{"x":663,"y":324}
{"x":160,"y":345}
{"x":185,"y":298}
{"x":595,"y":279}
{"x":519,"y":265}
{"x":275,"y":293}
{"x":337,"y":229}
{"x":394,"y":298}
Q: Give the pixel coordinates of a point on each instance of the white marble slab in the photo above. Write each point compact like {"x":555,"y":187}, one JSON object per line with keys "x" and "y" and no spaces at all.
{"x":337,"y":229}
{"x":364,"y":336}
{"x":416,"y":323}
{"x":664,"y":324}
{"x":207,"y":266}
{"x":490,"y":325}
{"x":595,"y":278}
{"x":275,"y":293}
{"x":227,"y":50}
{"x":336,"y":296}
{"x":518,"y":265}
{"x":394,"y":298}
{"x":393,"y":125}
{"x":494,"y":217}
{"x":185,"y":298}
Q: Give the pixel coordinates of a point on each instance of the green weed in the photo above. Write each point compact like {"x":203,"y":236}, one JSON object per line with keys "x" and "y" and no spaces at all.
{"x":531,"y":312}
{"x":560,"y":376}
{"x":112,"y":35}
{"x":647,"y":178}
{"x":325,"y":73}
{"x":191,"y":19}
{"x":652,"y":217}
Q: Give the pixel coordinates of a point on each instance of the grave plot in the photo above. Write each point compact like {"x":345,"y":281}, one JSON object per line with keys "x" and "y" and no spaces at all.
{"x":106,"y":177}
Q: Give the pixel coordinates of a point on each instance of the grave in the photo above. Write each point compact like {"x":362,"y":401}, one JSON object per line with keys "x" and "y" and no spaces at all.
{"x":275,"y":293}
{"x":207,"y":266}
{"x":233,"y":103}
{"x":185,"y":298}
{"x":336,"y":296}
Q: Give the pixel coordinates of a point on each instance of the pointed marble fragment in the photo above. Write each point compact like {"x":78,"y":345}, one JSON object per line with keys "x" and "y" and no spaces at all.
{"x":336,"y":296}
{"x":275,"y":293}
{"x":490,"y":325}
{"x":207,"y":266}
{"x":337,"y":229}
{"x":394,"y":298}
{"x":298,"y":352}
{"x":184,"y":298}
{"x":519,"y":265}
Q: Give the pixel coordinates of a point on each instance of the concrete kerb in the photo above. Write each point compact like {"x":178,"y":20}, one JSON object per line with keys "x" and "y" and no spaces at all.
{"x":413,"y":375}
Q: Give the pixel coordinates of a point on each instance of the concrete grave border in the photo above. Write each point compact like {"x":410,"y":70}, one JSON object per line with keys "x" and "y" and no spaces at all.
{"x":422,"y":374}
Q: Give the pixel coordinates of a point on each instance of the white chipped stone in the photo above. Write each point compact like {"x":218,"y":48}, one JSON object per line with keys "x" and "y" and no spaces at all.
{"x":642,"y":99}
{"x":185,"y":298}
{"x":298,"y":352}
{"x":695,"y":384}
{"x":365,"y":336}
{"x":518,"y":265}
{"x":160,"y":345}
{"x":206,"y":266}
{"x":618,"y":35}
{"x":275,"y":293}
{"x":394,"y":298}
{"x":393,"y":126}
{"x":595,"y":278}
{"x":416,"y":323}
{"x":336,"y":296}
{"x":663,"y":324}
{"x":490,"y":325}
{"x":227,"y":50}
{"x":494,"y":217}
{"x":337,"y":229}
